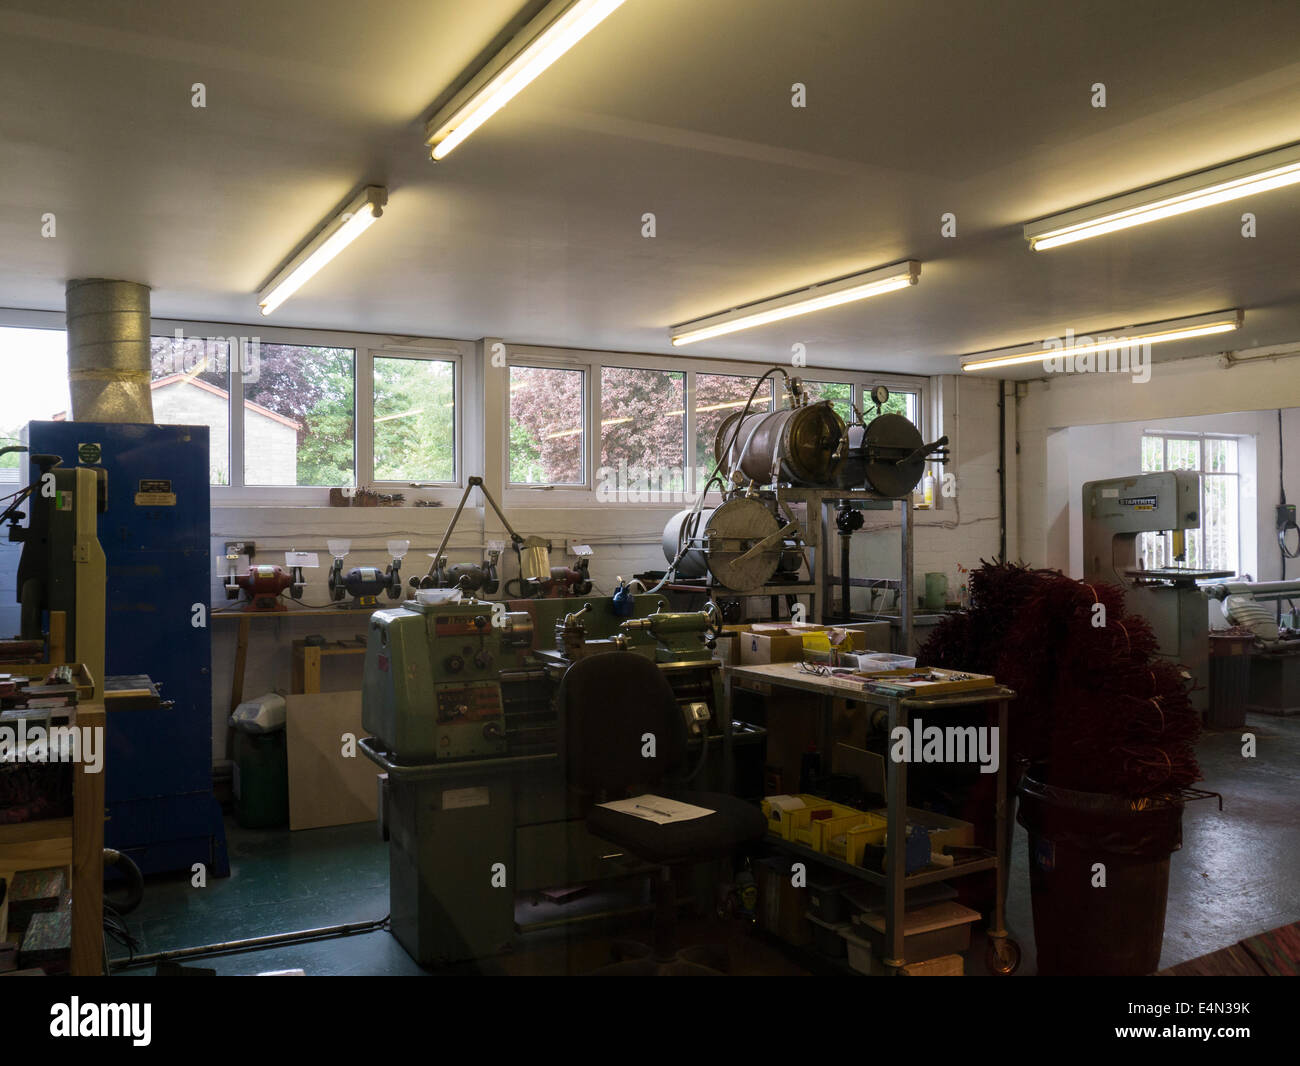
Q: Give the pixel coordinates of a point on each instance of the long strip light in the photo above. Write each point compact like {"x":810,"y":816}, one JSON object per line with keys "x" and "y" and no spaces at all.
{"x":558,"y":27}
{"x":335,"y":235}
{"x":1261,"y":173}
{"x":801,"y":302}
{"x":1174,"y":329}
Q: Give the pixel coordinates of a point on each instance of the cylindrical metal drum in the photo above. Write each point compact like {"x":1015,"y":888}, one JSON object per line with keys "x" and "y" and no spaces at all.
{"x":887,"y":445}
{"x":799,"y":445}
{"x":723,"y":536}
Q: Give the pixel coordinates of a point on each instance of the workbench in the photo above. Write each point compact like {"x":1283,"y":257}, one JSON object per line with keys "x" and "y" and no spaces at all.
{"x":307,"y":661}
{"x":1004,"y":953}
{"x":76,"y":843}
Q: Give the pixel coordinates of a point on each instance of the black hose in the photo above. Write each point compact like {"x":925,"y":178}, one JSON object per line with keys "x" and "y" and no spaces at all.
{"x":134,"y":880}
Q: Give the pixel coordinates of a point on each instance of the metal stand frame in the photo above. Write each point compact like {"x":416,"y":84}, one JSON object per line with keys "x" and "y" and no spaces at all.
{"x":817,"y":531}
{"x":1003,"y":953}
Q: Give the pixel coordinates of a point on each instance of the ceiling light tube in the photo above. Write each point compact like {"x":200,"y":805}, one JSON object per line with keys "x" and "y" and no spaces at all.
{"x":335,"y":235}
{"x":1174,"y":329}
{"x":559,"y":26}
{"x":1261,"y":173}
{"x":801,"y":302}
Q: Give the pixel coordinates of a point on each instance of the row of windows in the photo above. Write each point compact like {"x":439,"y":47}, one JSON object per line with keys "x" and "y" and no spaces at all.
{"x":321,"y":415}
{"x":643,"y":420}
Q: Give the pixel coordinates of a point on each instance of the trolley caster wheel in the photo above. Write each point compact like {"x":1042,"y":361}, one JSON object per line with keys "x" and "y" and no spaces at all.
{"x":1002,"y":956}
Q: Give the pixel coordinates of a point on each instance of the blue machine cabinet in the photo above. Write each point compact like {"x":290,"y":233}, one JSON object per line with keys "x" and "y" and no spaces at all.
{"x":155,"y":536}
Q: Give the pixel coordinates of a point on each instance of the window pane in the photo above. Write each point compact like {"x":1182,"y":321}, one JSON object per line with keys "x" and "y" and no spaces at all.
{"x":1220,"y":456}
{"x":717,"y":396}
{"x":1220,"y":520}
{"x":190,"y":379}
{"x":415,"y":419}
{"x":299,"y":422}
{"x":1183,"y":454}
{"x":38,"y":359}
{"x":1153,"y":454}
{"x":840,"y":393}
{"x":547,"y":426}
{"x":643,"y":429}
{"x":906,"y":404}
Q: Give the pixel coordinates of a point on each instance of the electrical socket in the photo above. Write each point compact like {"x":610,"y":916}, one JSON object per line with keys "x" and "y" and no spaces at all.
{"x":1285,"y":516}
{"x":241,"y":547}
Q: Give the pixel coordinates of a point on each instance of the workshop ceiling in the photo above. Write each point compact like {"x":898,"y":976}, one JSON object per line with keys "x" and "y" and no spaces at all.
{"x":531,"y":230}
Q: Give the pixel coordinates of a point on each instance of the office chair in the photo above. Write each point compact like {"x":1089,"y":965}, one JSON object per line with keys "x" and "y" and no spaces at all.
{"x":610,"y":702}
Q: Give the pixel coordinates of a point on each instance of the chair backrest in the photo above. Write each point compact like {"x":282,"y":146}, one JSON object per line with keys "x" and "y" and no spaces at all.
{"x":617,"y":709}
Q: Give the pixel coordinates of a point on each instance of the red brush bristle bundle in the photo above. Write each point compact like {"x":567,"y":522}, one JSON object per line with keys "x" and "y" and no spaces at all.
{"x":1094,"y":702}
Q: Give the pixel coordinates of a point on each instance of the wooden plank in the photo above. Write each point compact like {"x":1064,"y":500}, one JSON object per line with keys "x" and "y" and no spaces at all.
{"x":325,"y":786}
{"x":58,"y":637}
{"x":27,"y":832}
{"x":88,"y":859}
{"x":241,"y":660}
{"x":32,"y":855}
{"x":237,"y":679}
{"x":311,"y":669}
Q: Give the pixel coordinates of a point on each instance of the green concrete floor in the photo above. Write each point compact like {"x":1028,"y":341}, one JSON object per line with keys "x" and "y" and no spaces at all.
{"x":1235,"y":876}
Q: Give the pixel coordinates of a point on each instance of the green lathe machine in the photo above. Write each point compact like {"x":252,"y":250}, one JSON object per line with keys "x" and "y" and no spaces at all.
{"x":460,"y":699}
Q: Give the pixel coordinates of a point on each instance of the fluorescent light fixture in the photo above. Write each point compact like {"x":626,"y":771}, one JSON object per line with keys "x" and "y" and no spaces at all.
{"x":335,"y":235}
{"x":801,"y":302}
{"x":1174,"y":329}
{"x":1260,"y":173}
{"x":559,"y":26}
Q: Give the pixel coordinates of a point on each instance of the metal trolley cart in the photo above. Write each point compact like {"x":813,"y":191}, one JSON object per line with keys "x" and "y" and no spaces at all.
{"x":1003,"y":955}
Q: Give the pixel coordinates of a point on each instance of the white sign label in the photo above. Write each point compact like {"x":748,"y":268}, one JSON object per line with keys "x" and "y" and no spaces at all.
{"x":456,"y":798}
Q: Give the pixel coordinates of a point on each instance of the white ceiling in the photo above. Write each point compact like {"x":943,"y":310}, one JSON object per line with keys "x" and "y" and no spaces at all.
{"x":531,"y":230}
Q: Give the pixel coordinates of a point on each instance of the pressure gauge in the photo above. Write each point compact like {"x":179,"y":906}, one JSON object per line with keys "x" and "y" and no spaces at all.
{"x":880,"y":395}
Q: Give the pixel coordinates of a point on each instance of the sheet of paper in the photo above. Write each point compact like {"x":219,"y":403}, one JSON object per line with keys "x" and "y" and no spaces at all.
{"x":657,"y":809}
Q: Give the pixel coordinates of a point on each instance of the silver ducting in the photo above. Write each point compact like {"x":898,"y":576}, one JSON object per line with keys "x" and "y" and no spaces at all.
{"x":108,"y":351}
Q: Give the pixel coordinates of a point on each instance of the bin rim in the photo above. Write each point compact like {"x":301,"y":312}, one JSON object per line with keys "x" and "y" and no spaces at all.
{"x":1031,"y":784}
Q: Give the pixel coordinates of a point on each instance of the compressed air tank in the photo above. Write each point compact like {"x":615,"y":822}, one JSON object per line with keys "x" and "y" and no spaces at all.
{"x":797,"y":445}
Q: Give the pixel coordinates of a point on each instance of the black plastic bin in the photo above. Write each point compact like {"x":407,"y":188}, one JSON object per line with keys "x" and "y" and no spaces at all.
{"x":1229,"y":681}
{"x":1117,"y":930}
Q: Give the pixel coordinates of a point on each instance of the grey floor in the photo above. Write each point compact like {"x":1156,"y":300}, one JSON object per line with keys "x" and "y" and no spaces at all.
{"x":1238,"y":874}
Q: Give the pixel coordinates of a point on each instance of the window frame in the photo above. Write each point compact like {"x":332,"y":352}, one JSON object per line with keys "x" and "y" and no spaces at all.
{"x":589,"y":417}
{"x":473,"y":381}
{"x":366,"y":375}
{"x":366,"y":347}
{"x":592,"y":360}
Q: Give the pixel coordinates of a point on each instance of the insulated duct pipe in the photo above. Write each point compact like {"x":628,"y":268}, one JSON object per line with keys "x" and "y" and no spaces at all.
{"x":108,"y":351}
{"x":1260,"y":590}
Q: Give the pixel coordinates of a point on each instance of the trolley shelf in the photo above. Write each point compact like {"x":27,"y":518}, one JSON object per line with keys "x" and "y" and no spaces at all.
{"x":924,"y":876}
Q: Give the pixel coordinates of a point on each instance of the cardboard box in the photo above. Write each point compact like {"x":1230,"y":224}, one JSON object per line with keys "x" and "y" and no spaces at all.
{"x":943,"y":966}
{"x":762,"y":643}
{"x":782,"y":907}
{"x":928,"y":932}
{"x":943,"y":829}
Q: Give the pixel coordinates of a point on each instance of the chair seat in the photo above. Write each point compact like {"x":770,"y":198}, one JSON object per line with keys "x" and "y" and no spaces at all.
{"x":732,"y":823}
